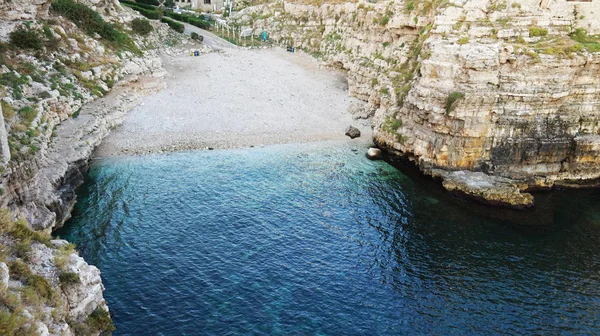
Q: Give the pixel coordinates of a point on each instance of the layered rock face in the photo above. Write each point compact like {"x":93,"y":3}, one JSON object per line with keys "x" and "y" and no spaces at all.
{"x":510,"y":89}
{"x":62,"y":303}
{"x":49,"y":131}
{"x":38,"y":9}
{"x":59,"y":98}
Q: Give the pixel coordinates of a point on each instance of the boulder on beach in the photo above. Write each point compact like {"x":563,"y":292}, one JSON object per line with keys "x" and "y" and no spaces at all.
{"x":374,"y":153}
{"x":352,"y":132}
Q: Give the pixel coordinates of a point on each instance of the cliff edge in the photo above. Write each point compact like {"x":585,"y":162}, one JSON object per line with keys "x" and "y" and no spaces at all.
{"x":494,"y":97}
{"x":69,"y":71}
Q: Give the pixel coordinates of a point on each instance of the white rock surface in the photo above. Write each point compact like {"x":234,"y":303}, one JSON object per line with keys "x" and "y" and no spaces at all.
{"x":4,"y":276}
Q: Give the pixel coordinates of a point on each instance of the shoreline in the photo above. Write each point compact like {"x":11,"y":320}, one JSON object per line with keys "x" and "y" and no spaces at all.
{"x":361,"y":143}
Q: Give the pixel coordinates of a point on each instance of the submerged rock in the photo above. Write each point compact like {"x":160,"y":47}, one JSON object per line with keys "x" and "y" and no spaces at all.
{"x":352,"y":132}
{"x":374,"y":153}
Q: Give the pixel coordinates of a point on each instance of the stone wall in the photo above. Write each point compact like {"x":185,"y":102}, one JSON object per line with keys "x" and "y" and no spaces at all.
{"x":499,"y":87}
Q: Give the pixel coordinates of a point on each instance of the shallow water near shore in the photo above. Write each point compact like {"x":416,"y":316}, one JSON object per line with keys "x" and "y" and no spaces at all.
{"x":314,"y":239}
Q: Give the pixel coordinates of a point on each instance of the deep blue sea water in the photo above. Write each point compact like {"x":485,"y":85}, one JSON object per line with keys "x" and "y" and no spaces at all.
{"x":314,"y":239}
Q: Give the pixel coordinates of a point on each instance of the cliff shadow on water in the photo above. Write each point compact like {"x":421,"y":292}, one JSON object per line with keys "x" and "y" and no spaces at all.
{"x":549,"y":211}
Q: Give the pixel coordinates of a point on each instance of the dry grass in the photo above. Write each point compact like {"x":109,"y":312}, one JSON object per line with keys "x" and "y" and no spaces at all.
{"x":559,"y":46}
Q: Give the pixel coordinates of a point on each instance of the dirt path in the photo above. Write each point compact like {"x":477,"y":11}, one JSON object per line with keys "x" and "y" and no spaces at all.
{"x":237,"y":98}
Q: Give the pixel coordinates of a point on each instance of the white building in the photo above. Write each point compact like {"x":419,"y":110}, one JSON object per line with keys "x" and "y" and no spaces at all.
{"x":203,"y":5}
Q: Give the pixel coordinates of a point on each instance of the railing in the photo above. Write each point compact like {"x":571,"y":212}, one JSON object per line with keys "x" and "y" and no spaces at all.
{"x":245,"y":37}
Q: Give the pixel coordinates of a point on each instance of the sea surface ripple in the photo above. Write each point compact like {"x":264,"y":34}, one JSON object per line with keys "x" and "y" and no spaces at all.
{"x":314,"y":239}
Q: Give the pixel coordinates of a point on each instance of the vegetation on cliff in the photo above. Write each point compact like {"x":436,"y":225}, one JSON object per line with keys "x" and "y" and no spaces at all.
{"x":154,"y":12}
{"x":30,"y":298}
{"x":92,"y":23}
{"x":462,"y":86}
{"x":50,"y":68}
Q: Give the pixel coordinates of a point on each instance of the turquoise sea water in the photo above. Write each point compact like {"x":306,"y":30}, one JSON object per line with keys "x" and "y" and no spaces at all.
{"x":314,"y":239}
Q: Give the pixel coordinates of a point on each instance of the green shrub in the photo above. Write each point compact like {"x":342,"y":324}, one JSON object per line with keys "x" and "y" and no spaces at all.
{"x":174,"y":25}
{"x":138,"y":4}
{"x":23,"y":232}
{"x":8,"y":300}
{"x":36,"y":283}
{"x":452,"y":99}
{"x":195,"y":21}
{"x":100,"y":320}
{"x":18,"y":270}
{"x":47,"y":32}
{"x":69,"y":278}
{"x":28,"y":114}
{"x":590,"y":43}
{"x":7,"y":111}
{"x":176,"y":16}
{"x":561,"y":50}
{"x":40,"y":285}
{"x":149,"y":2}
{"x":532,"y":54}
{"x":22,"y":249}
{"x":44,"y":95}
{"x":51,"y":42}
{"x":90,"y":21}
{"x":384,"y":20}
{"x":203,"y":24}
{"x":6,"y":222}
{"x":148,"y":13}
{"x":14,"y":81}
{"x":463,"y":40}
{"x":196,"y":37}
{"x":85,"y":17}
{"x":26,"y":39}
{"x":141,"y":26}
{"x":11,"y":323}
{"x":392,"y":124}
{"x":61,"y":257}
{"x":537,"y":31}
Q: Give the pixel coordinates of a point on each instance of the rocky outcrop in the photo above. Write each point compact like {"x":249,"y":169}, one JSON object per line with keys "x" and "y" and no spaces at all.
{"x":49,"y":285}
{"x":47,"y":198}
{"x":374,"y":153}
{"x":72,"y":112}
{"x":4,"y":148}
{"x":508,"y":89}
{"x":491,"y":189}
{"x":352,"y":132}
{"x":4,"y":276}
{"x":38,"y":9}
{"x":23,"y":10}
{"x":58,"y":103}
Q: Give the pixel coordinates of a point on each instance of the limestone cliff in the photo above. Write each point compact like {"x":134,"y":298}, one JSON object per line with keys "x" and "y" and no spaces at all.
{"x":63,"y":86}
{"x":509,"y":90}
